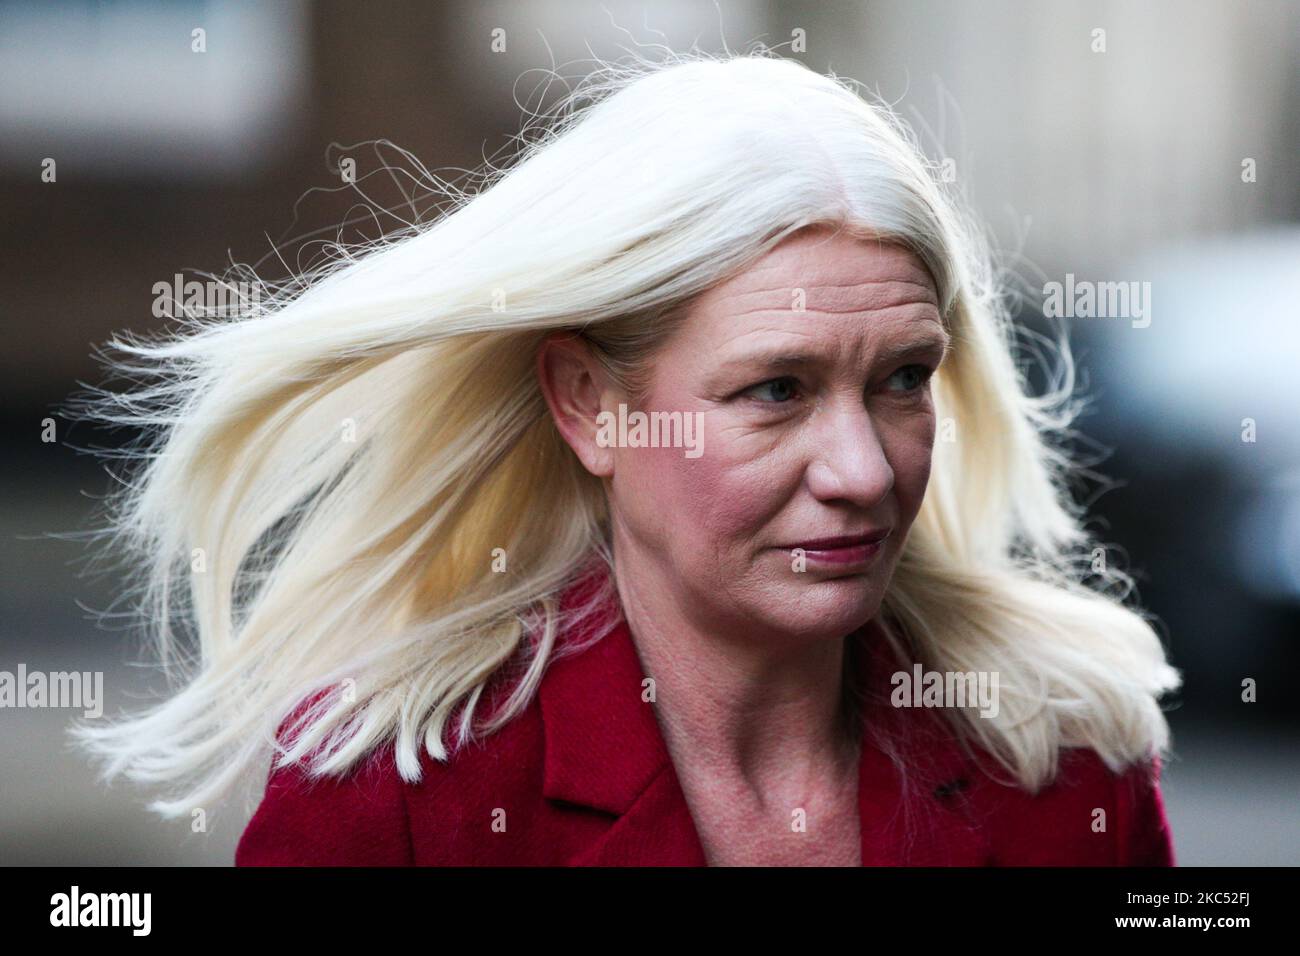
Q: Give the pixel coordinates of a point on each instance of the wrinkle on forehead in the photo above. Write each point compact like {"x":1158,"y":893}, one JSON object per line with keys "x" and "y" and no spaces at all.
{"x":847,"y":277}
{"x":853,"y":299}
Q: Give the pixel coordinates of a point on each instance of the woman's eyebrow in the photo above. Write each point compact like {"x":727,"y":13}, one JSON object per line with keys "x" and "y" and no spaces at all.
{"x":783,"y":358}
{"x":937,"y":341}
{"x":779,"y":359}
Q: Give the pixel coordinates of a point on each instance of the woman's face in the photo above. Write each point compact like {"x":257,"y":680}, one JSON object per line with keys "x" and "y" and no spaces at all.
{"x":817,"y":424}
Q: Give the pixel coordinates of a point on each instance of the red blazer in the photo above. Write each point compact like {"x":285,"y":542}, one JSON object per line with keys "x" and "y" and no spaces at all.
{"x":582,"y":777}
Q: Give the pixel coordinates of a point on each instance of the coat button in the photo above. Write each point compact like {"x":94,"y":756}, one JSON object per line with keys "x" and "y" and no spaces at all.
{"x":953,"y":787}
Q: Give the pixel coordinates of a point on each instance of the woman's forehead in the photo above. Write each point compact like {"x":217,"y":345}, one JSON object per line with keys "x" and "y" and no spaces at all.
{"x":839,"y":274}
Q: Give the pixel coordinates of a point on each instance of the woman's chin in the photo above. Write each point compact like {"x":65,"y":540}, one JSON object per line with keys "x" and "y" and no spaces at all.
{"x":831,"y":606}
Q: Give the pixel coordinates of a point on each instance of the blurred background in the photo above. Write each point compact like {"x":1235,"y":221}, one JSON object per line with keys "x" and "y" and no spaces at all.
{"x":1104,"y":142}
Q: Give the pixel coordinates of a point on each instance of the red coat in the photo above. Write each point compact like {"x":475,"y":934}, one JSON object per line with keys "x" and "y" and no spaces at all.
{"x":583,"y":777}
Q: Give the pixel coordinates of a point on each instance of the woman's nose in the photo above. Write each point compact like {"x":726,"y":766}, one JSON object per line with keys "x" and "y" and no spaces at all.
{"x":847,"y":461}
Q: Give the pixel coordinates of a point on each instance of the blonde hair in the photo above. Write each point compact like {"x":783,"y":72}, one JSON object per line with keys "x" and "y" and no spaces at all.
{"x":323,"y":480}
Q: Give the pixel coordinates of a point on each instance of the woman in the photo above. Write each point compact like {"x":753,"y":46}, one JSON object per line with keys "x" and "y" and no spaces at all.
{"x":673,"y":500}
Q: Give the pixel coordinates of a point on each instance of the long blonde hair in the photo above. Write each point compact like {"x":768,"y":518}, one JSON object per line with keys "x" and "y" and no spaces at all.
{"x":323,"y":482}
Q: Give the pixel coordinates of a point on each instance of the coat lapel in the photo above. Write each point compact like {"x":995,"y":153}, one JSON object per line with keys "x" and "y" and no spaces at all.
{"x":604,"y":751}
{"x":914,"y":777}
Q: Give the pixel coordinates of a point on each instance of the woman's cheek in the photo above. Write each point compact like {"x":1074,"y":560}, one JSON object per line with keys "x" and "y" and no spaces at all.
{"x":707,"y":491}
{"x":911,"y":472}
{"x":648,"y":485}
{"x":676,"y":500}
{"x":746,"y":477}
{"x":911,"y":460}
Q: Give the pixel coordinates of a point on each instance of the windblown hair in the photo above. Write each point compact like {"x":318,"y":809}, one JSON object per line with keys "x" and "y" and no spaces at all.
{"x":320,"y":483}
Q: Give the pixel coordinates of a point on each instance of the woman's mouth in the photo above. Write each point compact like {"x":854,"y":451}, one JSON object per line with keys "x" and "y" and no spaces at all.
{"x":844,"y":550}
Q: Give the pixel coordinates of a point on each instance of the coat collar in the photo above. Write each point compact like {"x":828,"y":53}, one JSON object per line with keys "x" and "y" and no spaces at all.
{"x":604,"y":750}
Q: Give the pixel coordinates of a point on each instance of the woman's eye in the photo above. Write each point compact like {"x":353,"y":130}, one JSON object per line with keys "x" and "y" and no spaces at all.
{"x":912,"y":377}
{"x":776,"y":390}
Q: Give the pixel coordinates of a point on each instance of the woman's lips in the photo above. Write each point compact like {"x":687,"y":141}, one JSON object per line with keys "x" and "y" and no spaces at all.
{"x":844,"y":550}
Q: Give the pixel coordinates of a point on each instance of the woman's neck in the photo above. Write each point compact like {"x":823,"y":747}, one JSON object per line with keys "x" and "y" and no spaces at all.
{"x":763,"y":715}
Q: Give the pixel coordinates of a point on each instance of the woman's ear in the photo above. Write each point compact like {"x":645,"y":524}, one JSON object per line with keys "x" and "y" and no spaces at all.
{"x":577,"y":389}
